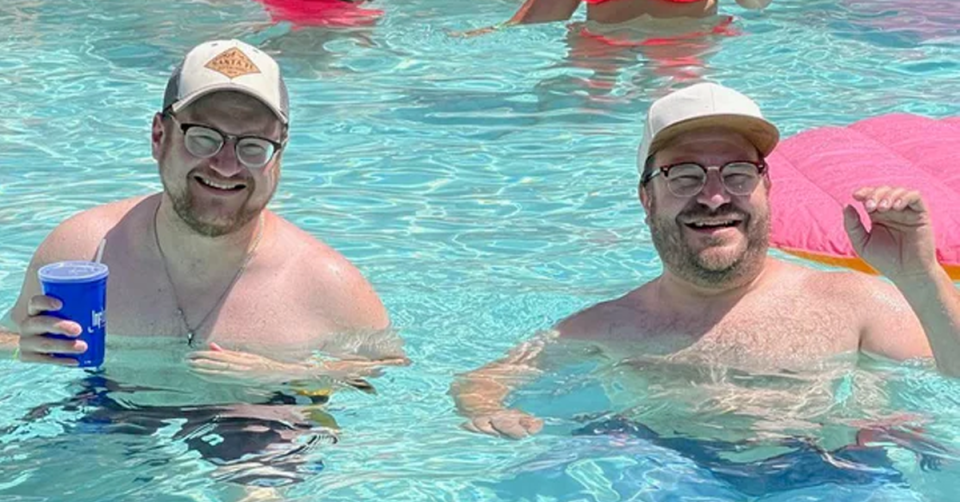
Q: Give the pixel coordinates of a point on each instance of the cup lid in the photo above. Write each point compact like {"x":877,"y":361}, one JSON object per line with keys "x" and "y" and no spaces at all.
{"x":67,"y":272}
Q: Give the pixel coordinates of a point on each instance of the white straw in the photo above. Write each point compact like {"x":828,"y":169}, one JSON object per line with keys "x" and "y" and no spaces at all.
{"x":102,"y":245}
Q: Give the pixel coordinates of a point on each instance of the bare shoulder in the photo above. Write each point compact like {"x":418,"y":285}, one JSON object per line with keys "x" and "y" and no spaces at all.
{"x":77,"y":237}
{"x":887,"y":324}
{"x":864,"y":291}
{"x":329,"y":282}
{"x":606,"y":319}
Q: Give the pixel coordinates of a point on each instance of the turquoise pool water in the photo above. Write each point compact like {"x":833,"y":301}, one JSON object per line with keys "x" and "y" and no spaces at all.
{"x":487,"y":188}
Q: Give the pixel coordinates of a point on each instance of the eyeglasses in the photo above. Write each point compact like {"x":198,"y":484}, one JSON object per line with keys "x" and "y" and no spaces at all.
{"x":687,"y":179}
{"x":204,"y":142}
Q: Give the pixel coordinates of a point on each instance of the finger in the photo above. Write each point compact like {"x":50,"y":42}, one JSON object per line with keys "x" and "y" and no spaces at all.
{"x":468,"y":425}
{"x":890,"y":199}
{"x":29,"y":357}
{"x":209,"y":364}
{"x":211,"y":372}
{"x":872,"y":200}
{"x":483,"y":425}
{"x":49,"y":345}
{"x":863,"y":193}
{"x":898,"y":199}
{"x":533,"y":425}
{"x":41,"y":303}
{"x":510,"y":428}
{"x":915,"y":201}
{"x":855,"y":230}
{"x":41,"y":324}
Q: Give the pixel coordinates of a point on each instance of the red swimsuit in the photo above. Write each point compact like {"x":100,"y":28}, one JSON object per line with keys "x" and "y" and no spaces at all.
{"x":331,"y":13}
{"x":594,"y":2}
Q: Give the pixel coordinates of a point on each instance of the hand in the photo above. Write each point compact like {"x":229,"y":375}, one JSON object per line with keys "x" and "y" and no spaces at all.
{"x":477,"y":31}
{"x":35,"y":344}
{"x":243,"y":368}
{"x":900,"y":243}
{"x":240,"y":368}
{"x":513,"y":424}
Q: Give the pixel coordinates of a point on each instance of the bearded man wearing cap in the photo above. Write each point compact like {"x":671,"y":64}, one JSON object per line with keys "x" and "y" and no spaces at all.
{"x":721,"y":301}
{"x":203,"y":269}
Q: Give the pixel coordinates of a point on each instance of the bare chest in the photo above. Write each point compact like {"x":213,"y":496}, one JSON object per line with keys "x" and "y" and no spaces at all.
{"x":754,"y":335}
{"x":259,"y":309}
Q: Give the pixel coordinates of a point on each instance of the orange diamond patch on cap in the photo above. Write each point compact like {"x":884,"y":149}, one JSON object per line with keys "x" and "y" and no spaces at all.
{"x":233,"y":63}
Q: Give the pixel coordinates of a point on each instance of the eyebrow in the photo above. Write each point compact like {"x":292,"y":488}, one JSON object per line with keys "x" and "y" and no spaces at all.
{"x":247,"y":134}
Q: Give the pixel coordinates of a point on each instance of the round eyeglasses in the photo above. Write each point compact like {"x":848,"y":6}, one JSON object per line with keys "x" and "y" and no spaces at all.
{"x":687,"y":179}
{"x":204,"y":142}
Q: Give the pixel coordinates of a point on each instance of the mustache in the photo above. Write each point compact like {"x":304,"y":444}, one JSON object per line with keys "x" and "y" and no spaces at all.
{"x":700,"y":211}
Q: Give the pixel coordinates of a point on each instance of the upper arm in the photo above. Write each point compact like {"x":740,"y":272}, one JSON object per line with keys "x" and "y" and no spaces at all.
{"x":76,"y":238}
{"x":340,"y":291}
{"x":545,"y":11}
{"x":891,"y":328}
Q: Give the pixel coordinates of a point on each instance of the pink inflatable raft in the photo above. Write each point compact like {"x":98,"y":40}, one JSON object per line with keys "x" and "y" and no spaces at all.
{"x":815,"y":172}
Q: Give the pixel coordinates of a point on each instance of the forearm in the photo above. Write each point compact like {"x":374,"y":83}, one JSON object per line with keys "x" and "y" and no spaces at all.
{"x":486,"y":389}
{"x":544,"y":11}
{"x":9,"y":342}
{"x":936,"y":302}
{"x":9,"y":336}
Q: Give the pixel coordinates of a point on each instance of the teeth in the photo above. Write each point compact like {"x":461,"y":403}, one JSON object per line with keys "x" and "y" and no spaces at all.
{"x":217,"y":185}
{"x":702,"y":224}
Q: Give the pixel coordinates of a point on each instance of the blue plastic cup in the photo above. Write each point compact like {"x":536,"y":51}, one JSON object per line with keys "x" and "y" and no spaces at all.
{"x":82,"y":287}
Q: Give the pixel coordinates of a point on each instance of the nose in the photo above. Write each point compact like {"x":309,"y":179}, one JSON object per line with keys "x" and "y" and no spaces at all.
{"x":713,"y":194}
{"x":225,"y":162}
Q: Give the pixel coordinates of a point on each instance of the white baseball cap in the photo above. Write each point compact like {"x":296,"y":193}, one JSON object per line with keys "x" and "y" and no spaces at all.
{"x":227,"y":65}
{"x":705,"y":105}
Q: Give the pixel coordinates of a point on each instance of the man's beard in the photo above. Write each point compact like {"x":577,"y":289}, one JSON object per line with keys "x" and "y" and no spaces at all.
{"x":701,"y":268}
{"x":185,"y":207}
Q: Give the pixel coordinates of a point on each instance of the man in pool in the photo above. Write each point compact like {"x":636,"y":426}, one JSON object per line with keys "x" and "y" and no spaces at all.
{"x":223,"y":289}
{"x":721,"y":300}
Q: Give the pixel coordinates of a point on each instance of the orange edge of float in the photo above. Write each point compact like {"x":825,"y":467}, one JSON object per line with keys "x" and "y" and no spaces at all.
{"x":856,"y":263}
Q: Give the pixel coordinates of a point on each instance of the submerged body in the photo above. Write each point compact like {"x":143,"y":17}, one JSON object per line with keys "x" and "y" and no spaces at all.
{"x":721,"y":301}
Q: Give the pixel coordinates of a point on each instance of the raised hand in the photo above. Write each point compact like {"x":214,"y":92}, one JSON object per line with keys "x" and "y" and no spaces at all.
{"x":901,"y":242}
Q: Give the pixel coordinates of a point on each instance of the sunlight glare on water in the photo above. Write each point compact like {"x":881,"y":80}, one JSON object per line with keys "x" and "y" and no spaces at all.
{"x":487,"y":188}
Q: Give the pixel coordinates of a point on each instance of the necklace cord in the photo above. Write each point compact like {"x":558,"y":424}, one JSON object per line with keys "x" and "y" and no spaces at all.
{"x":191,"y":332}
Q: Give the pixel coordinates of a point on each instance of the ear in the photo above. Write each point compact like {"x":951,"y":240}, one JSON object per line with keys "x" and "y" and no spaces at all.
{"x":645,"y":201}
{"x":157,"y":135}
{"x":644,"y":196}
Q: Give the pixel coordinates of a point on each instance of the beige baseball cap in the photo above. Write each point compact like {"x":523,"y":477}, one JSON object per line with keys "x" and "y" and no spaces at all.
{"x":227,"y":65}
{"x":704,"y":105}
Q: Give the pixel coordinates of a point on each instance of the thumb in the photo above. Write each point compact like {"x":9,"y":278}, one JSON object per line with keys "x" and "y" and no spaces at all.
{"x":855,"y":230}
{"x":216,"y":348}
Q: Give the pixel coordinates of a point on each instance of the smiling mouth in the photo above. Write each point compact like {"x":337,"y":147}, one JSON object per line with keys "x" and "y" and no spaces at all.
{"x":713,"y":224}
{"x":716,"y":224}
{"x":219,"y":185}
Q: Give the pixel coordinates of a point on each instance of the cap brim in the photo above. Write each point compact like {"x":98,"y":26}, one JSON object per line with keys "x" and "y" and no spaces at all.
{"x":225,"y":86}
{"x":763,"y":134}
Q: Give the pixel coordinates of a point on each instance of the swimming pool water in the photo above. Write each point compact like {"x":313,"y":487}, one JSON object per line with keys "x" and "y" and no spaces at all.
{"x":487,"y":188}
